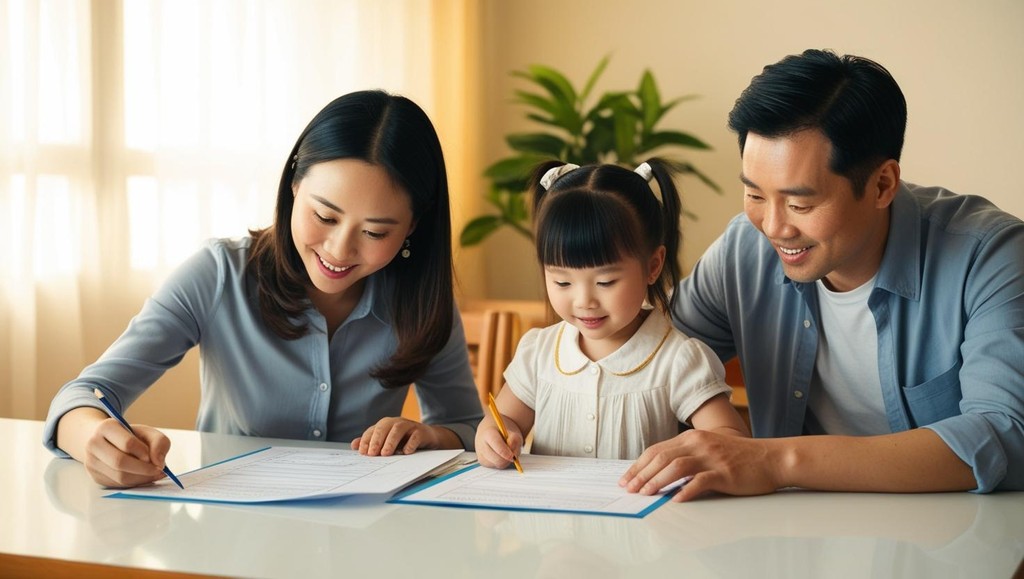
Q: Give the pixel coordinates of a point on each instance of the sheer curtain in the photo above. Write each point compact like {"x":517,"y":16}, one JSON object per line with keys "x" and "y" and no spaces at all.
{"x":132,"y":131}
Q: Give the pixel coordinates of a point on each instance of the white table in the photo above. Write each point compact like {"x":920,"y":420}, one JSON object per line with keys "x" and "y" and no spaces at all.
{"x":55,"y":521}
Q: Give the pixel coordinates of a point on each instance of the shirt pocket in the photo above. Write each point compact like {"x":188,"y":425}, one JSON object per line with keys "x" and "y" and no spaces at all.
{"x":936,"y":399}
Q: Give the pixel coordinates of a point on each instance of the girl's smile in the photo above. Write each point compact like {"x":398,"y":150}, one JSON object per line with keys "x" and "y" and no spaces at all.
{"x":592,"y":323}
{"x":605,"y":303}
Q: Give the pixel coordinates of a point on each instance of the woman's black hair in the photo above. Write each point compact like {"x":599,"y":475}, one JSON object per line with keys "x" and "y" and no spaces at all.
{"x":395,"y":134}
{"x":599,"y":214}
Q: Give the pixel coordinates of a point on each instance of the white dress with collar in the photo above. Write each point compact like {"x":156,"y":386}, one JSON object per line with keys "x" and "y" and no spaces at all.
{"x":619,"y":405}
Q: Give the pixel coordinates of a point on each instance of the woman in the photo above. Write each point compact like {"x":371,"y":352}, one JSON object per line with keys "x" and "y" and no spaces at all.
{"x":314,"y":327}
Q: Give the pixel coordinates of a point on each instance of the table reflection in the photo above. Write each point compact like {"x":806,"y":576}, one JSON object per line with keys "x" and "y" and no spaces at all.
{"x":787,"y":534}
{"x":118,"y":529}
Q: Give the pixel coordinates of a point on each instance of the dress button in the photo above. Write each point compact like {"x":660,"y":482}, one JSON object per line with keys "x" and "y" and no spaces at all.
{"x":588,"y":449}
{"x":593,"y":368}
{"x":807,"y":323}
{"x":590,"y":416}
{"x":316,"y":433}
{"x":323,"y":387}
{"x":798,"y":394}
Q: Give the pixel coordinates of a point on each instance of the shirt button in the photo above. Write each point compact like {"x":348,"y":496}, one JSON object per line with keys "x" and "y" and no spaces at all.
{"x":588,"y":449}
{"x":590,"y":416}
{"x":798,"y":394}
{"x":323,"y":387}
{"x":593,"y":368}
{"x":807,"y":323}
{"x":316,"y":433}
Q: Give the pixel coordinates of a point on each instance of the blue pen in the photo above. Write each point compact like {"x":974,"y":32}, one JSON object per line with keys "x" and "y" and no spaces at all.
{"x":117,"y":416}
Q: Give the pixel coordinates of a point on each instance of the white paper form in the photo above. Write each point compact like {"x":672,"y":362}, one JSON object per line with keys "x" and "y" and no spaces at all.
{"x":548,"y":483}
{"x":281,"y":473}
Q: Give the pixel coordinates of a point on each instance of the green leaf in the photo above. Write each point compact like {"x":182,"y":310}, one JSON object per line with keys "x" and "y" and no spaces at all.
{"x":617,"y":129}
{"x":511,"y":170}
{"x":650,"y":101}
{"x":563,"y":115}
{"x":666,"y":107}
{"x":541,"y":144}
{"x":557,"y":98}
{"x":516,"y":208}
{"x":537,"y":101}
{"x":563,"y":96}
{"x":684,"y":167}
{"x":555,"y":82}
{"x":592,"y":80}
{"x":677,"y":138}
{"x":546,"y":121}
{"x":599,"y":141}
{"x":605,"y":104}
{"x":625,"y":135}
{"x":622,"y":104}
{"x":478,"y":229}
{"x":496,"y":197}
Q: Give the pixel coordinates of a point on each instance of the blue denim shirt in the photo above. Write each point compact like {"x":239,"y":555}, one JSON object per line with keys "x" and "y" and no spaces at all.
{"x":256,"y":383}
{"x":948,"y":305}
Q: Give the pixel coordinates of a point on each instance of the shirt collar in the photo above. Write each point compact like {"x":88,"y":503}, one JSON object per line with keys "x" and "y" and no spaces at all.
{"x":371,"y":302}
{"x":900,"y":270}
{"x":636,"y":352}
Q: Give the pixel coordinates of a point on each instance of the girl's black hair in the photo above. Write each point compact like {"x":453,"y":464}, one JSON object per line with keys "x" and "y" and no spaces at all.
{"x":395,"y":134}
{"x":598,"y":214}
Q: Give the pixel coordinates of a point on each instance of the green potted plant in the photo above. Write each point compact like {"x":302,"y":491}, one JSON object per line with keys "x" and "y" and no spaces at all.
{"x":621,"y":127}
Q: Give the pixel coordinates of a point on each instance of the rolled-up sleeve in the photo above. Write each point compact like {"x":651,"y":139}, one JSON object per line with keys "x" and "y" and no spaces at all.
{"x":989,"y":435}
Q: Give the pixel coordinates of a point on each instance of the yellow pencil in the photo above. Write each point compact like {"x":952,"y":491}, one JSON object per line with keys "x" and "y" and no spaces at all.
{"x":501,"y":428}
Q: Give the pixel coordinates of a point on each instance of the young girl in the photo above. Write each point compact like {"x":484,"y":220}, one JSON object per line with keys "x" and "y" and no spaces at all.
{"x":614,"y":376}
{"x":314,"y":327}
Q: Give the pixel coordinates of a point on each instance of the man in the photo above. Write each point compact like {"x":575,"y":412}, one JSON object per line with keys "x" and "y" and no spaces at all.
{"x":879,"y":325}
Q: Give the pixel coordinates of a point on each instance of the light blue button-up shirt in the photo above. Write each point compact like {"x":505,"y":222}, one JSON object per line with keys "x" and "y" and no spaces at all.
{"x":256,"y":383}
{"x":948,"y":305}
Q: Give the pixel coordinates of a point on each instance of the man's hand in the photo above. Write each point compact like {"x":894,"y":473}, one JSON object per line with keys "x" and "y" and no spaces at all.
{"x":717,"y":462}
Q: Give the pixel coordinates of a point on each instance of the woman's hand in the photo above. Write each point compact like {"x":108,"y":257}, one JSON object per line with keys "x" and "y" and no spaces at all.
{"x":115,"y":458}
{"x":112,"y":456}
{"x":399,"y":435}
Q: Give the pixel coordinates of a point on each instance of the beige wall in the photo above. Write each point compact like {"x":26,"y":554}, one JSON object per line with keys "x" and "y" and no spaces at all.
{"x":960,"y":64}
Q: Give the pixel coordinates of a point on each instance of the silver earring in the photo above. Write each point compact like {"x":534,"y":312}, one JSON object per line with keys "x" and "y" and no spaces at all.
{"x":405,"y":249}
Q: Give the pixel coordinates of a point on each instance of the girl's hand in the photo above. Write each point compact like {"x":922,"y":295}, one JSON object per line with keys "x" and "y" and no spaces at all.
{"x":491,"y":450}
{"x":115,"y":458}
{"x":399,"y":435}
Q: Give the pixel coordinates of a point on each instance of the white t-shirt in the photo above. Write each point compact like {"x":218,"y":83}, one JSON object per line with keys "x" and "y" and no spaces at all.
{"x":583,"y":408}
{"x":846,"y":393}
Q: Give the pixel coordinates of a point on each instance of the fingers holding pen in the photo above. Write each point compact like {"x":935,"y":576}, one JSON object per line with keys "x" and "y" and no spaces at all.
{"x":491,"y":449}
{"x":117,"y":458}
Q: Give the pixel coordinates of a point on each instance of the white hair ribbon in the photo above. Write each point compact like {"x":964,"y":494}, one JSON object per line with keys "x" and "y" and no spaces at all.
{"x":644,"y":170}
{"x":554,"y":173}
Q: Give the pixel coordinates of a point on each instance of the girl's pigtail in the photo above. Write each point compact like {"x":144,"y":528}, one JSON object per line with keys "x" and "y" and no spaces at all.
{"x":537,"y":191}
{"x":671,"y":208}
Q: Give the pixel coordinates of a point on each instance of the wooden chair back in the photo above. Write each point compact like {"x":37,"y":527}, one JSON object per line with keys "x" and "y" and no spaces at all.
{"x":491,"y":335}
